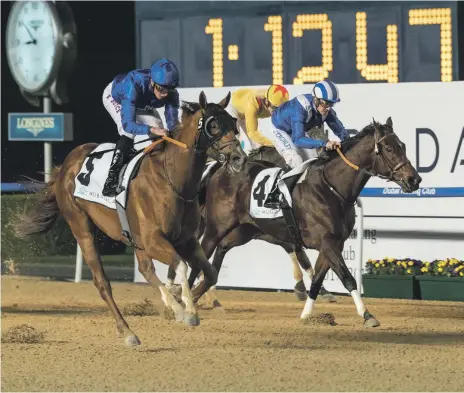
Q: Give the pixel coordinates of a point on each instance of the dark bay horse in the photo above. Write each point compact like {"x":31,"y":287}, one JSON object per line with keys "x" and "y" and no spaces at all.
{"x":239,"y":237}
{"x":163,"y":209}
{"x":323,"y":204}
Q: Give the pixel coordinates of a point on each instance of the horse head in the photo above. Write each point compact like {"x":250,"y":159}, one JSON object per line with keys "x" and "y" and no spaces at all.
{"x":390,"y":161}
{"x":217,"y":132}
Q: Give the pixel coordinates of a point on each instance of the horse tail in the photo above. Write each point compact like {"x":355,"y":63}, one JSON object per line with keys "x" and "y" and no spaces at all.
{"x":40,"y":217}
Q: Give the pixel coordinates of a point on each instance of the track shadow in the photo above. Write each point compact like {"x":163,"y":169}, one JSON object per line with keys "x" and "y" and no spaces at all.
{"x":53,"y":311}
{"x":387,"y":337}
{"x":159,"y":350}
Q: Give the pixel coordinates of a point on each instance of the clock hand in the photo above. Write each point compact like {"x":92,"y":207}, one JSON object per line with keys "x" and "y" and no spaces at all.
{"x":34,"y":41}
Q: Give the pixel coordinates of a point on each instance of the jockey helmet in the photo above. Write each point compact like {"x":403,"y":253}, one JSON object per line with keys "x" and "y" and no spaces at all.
{"x":327,"y":91}
{"x":165,"y":73}
{"x":277,"y":95}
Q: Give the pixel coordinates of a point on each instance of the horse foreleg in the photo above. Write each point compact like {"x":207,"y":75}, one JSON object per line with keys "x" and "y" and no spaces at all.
{"x":147,"y":269}
{"x":193,"y":253}
{"x":332,"y":251}
{"x":322,"y":267}
{"x":174,"y":289}
{"x":190,"y":310}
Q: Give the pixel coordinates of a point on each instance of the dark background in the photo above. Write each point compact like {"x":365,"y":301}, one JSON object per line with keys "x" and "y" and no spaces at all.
{"x":106,"y":40}
{"x":106,"y":47}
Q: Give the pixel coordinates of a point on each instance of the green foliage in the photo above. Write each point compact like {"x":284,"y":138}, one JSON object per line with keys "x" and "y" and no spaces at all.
{"x":58,"y":241}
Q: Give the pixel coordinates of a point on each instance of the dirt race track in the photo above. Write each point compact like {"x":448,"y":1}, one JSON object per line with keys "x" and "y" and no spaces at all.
{"x":258,"y":344}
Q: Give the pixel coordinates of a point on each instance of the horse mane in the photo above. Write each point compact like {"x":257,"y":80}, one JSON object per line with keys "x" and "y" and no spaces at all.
{"x":188,"y":110}
{"x":347,"y":144}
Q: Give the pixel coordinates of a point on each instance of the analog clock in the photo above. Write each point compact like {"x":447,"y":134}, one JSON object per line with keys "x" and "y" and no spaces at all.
{"x":34,"y":44}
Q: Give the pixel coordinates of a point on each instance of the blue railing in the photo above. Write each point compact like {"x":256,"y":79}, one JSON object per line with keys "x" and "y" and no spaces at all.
{"x":374,"y":192}
{"x":18,"y":187}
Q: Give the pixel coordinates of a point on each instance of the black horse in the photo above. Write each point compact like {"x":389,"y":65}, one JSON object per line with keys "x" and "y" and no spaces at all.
{"x":323,"y":205}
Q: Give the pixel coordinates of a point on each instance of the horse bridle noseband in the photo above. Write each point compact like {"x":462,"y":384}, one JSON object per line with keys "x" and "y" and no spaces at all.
{"x":203,"y":135}
{"x":370,"y":172}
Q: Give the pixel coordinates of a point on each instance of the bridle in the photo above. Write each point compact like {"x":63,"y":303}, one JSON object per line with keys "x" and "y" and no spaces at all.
{"x":204,"y":140}
{"x":393,"y":170}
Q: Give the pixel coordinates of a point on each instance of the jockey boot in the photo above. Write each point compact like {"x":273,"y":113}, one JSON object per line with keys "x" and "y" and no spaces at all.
{"x":290,"y":182}
{"x":120,"y":156}
{"x":275,"y":199}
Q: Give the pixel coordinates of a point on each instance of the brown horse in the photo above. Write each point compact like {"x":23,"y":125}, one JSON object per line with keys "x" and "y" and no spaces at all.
{"x":163,"y":209}
{"x":322,"y":203}
{"x":239,"y":237}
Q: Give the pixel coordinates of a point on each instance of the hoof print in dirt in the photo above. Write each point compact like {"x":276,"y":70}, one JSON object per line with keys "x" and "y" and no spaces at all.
{"x":23,"y":334}
{"x":142,"y":309}
{"x":318,"y":320}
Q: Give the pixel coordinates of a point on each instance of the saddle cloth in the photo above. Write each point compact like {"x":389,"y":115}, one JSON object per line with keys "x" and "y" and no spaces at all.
{"x":92,"y":177}
{"x":264,"y":184}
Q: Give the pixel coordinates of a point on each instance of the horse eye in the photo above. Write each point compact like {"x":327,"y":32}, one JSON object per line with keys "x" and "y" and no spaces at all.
{"x":389,"y":149}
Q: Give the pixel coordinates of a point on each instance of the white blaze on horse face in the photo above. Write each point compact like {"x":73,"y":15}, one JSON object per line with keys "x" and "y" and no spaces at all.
{"x":360,"y":307}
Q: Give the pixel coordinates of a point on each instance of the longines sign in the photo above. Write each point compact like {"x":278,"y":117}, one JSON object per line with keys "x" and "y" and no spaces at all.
{"x":41,"y":127}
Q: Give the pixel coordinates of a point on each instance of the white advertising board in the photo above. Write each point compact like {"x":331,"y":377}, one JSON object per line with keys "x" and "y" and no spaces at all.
{"x":429,"y":119}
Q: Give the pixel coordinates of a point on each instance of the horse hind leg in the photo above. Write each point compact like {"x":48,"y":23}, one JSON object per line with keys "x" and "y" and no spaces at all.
{"x":299,"y":289}
{"x":300,"y":259}
{"x":84,"y":232}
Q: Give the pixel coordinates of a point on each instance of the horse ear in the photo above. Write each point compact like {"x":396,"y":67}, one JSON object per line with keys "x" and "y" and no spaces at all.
{"x":389,"y":122}
{"x":225,"y":101}
{"x":203,"y":101}
{"x":376,"y":125}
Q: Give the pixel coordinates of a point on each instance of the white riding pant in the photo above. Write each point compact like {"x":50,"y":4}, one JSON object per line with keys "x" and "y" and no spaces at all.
{"x":283,"y":143}
{"x":148,"y":115}
{"x":246,"y":143}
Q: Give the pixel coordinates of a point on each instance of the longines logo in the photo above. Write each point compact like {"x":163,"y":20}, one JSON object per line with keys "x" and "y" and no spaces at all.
{"x":35,"y":125}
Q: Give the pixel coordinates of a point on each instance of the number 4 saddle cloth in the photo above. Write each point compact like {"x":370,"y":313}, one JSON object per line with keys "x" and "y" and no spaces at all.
{"x":269,"y":181}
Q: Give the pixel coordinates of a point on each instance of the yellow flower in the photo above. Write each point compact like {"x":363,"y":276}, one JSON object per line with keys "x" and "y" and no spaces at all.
{"x":377,"y":265}
{"x":409,"y":271}
{"x":410,"y":263}
{"x":404,"y":264}
{"x":398,"y":263}
{"x":391,"y":259}
{"x":440,"y":269}
{"x":461,"y":274}
{"x":427,"y":264}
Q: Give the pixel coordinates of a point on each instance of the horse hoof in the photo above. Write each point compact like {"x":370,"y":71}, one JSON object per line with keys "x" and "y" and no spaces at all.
{"x":301,"y":296}
{"x":328,"y":297}
{"x":191,"y":320}
{"x":371,"y":323}
{"x":132,"y":341}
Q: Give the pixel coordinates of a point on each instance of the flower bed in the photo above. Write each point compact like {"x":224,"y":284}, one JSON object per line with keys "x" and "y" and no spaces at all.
{"x":441,"y":279}
{"x":450,"y":267}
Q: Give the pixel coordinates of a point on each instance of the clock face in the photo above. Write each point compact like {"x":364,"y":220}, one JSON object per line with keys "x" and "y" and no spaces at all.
{"x":31,"y":43}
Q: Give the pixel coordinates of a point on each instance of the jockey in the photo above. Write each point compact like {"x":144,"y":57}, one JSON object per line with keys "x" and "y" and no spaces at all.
{"x":248,"y":105}
{"x":131,"y":99}
{"x":292,"y":120}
